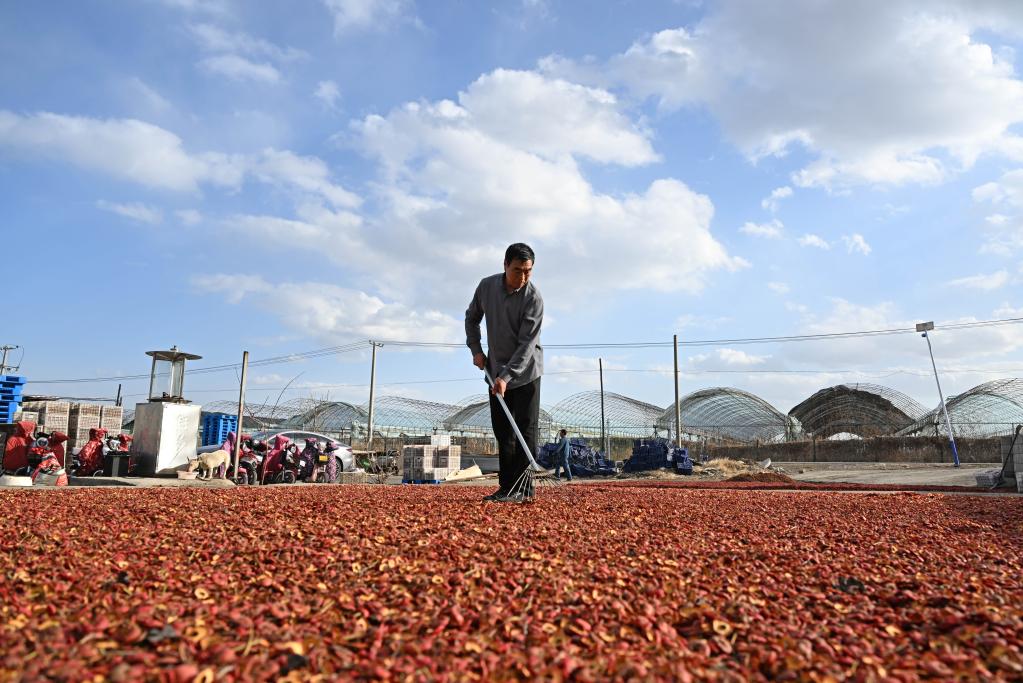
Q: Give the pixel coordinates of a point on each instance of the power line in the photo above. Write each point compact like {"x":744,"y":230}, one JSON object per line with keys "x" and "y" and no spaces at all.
{"x":317,"y":353}
{"x":290,"y":358}
{"x":737,"y":340}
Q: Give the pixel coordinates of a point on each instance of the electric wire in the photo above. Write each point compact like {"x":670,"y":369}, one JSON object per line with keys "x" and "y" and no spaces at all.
{"x":354,"y":346}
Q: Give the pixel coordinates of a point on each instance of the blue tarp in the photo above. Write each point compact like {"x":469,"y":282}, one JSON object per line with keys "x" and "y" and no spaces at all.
{"x":585,"y":461}
{"x":655,"y":454}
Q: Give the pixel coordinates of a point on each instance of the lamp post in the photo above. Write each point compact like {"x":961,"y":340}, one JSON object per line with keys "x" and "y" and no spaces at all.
{"x":925,"y":328}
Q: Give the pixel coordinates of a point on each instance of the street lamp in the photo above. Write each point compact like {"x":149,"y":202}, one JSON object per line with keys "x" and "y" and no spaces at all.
{"x":925,"y":328}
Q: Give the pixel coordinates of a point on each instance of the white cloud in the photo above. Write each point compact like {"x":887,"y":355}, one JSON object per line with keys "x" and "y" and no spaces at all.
{"x":329,"y":312}
{"x":328,"y":92}
{"x":554,"y":118}
{"x":1004,"y":230}
{"x":145,"y":154}
{"x":890,"y":93}
{"x":136,"y":211}
{"x":350,"y":15}
{"x":778,"y":287}
{"x":802,"y":309}
{"x":856,"y":244}
{"x":308,"y":174}
{"x":241,"y":69}
{"x":215,"y":39}
{"x":458,"y":182}
{"x":207,"y":6}
{"x":189,"y":216}
{"x":771,"y":203}
{"x":141,"y":92}
{"x":122,"y":148}
{"x":771,"y":230}
{"x":811,"y":240}
{"x":987,"y":282}
{"x":736,"y":357}
{"x":272,"y":378}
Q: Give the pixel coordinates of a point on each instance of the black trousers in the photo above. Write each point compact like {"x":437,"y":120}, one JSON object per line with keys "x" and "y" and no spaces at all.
{"x":524,"y":404}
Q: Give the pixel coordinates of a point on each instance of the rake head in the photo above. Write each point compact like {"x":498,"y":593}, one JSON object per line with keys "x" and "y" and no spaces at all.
{"x":532,"y":478}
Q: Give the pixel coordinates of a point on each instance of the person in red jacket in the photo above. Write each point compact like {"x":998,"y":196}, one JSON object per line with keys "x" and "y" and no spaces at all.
{"x":16,"y":452}
{"x":91,"y":455}
{"x":274,"y":462}
{"x":56,"y":444}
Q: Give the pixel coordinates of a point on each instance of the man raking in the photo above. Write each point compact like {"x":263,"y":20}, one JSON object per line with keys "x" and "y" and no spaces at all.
{"x":513,"y":309}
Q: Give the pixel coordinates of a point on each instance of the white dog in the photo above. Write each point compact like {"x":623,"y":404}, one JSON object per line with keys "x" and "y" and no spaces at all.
{"x":208,"y":462}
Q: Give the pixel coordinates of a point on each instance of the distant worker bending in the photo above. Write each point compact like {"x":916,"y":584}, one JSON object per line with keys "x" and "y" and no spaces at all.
{"x":513,"y":308}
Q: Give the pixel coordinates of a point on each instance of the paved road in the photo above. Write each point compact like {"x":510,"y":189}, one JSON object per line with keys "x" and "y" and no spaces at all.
{"x":932,"y":475}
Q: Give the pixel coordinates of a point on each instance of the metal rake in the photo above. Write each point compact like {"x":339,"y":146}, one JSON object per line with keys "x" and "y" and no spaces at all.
{"x":534,"y":475}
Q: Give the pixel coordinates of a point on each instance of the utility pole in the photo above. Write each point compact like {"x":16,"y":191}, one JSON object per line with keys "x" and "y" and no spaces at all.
{"x":678,"y":406}
{"x":241,"y":414}
{"x":372,"y":390}
{"x":925,"y":328}
{"x":3,"y":363}
{"x":603,"y":431}
{"x":117,"y":401}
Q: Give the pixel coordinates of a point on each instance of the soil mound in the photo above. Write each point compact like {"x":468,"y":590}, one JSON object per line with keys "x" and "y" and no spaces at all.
{"x":763,"y":478}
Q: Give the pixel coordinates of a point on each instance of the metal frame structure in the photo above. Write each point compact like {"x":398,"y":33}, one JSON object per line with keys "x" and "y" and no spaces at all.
{"x":988,"y":409}
{"x":730,"y":414}
{"x":864,"y":410}
{"x":719,"y":414}
{"x":471,"y":416}
{"x":624,"y":416}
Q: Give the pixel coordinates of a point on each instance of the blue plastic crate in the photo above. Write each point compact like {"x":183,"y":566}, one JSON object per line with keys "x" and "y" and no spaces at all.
{"x":216,"y":426}
{"x":13,"y":379}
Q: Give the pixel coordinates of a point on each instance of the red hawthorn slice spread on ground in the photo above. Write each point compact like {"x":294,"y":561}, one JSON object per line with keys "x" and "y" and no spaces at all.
{"x":428,"y":583}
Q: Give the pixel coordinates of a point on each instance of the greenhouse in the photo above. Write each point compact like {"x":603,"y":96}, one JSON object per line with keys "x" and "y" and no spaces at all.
{"x":863,"y":410}
{"x":623,"y":416}
{"x":732,"y":415}
{"x":989,"y":409}
{"x":721,"y":414}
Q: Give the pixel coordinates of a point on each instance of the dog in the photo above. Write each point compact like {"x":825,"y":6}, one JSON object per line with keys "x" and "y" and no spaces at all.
{"x":207,"y":463}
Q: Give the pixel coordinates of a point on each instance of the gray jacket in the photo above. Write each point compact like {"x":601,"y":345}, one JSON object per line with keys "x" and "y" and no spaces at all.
{"x":513,"y":329}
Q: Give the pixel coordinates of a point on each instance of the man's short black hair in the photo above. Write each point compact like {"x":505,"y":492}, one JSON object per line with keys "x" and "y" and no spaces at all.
{"x":519,"y":251}
{"x":563,"y":432}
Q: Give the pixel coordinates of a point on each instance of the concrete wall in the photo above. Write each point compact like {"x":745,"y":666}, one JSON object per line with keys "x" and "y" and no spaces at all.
{"x":878,"y":449}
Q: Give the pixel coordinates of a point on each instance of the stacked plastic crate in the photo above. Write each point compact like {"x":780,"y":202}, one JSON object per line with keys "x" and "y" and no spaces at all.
{"x":10,"y":396}
{"x":215,"y":427}
{"x":111,"y":418}
{"x":430,"y":464}
{"x":81,"y":418}
{"x":654,"y":454}
{"x":53,"y":415}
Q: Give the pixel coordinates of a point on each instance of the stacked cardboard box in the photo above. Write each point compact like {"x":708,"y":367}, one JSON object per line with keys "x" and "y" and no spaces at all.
{"x":429,"y":463}
{"x":81,"y":418}
{"x":53,"y":415}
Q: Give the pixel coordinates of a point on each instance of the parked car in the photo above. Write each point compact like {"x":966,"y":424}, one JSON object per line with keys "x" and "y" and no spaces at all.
{"x":346,"y":461}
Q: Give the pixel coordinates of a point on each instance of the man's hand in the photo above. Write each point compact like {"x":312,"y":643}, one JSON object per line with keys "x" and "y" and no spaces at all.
{"x":499,"y":387}
{"x":479,"y":360}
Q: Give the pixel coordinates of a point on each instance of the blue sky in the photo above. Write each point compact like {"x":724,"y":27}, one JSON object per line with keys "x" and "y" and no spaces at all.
{"x":280,"y":177}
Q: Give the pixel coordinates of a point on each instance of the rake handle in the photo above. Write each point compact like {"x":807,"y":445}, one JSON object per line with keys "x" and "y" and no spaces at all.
{"x":511,"y":420}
